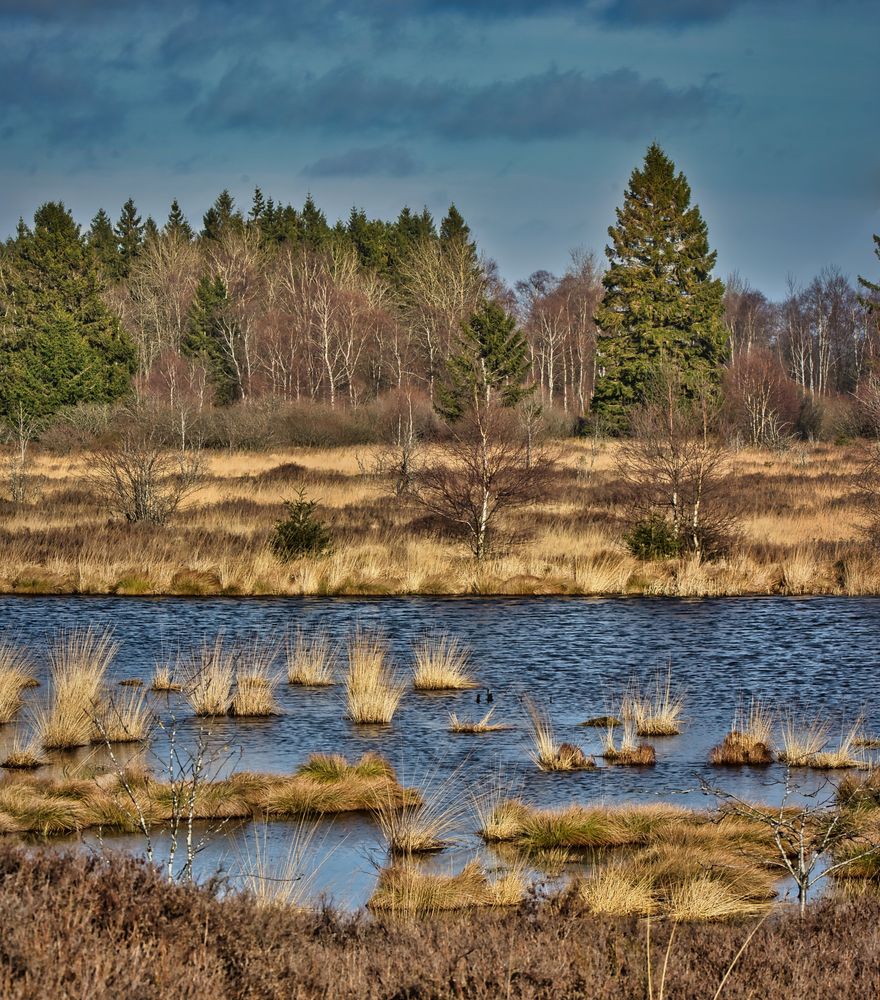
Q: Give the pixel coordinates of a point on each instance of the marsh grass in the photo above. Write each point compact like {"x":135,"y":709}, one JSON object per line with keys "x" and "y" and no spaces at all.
{"x":630,"y":752}
{"x":15,"y":676}
{"x":209,"y":674}
{"x":705,"y":898}
{"x":658,"y":714}
{"x":404,"y":888}
{"x":126,"y":719}
{"x":602,"y":721}
{"x":849,"y":752}
{"x":617,"y":890}
{"x":78,"y":661}
{"x":288,"y":882}
{"x":255,"y":683}
{"x":750,"y":740}
{"x":310,"y":659}
{"x":24,"y":755}
{"x":163,"y":680}
{"x":547,"y":753}
{"x":801,"y":740}
{"x":482,"y":725}
{"x":425,"y":826}
{"x":441,"y":664}
{"x":372,"y":692}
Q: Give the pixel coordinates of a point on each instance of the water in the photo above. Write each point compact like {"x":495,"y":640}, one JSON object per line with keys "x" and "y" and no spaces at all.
{"x":572,"y":655}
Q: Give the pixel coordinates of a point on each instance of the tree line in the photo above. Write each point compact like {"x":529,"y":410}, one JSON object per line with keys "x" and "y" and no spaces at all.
{"x":278,"y":303}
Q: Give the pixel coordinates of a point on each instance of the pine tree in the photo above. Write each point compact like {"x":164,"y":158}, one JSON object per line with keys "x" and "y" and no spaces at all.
{"x":177,"y":224}
{"x":661,"y":303}
{"x":454,"y":233}
{"x":130,"y":236}
{"x":208,"y":336}
{"x":59,"y":344}
{"x":102,"y":240}
{"x":258,"y":208}
{"x":151,"y":230}
{"x":492,"y":359}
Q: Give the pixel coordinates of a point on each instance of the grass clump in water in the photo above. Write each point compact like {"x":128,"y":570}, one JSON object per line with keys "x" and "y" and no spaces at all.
{"x":405,"y":889}
{"x":441,"y":664}
{"x":163,"y":680}
{"x":372,"y":693}
{"x":127,"y":719}
{"x":310,"y":659}
{"x":801,"y":740}
{"x":750,"y":740}
{"x":482,"y":725}
{"x":629,"y":753}
{"x":254,"y":683}
{"x":15,"y":675}
{"x":547,"y":753}
{"x":209,"y":676}
{"x":659,"y":714}
{"x":847,"y":754}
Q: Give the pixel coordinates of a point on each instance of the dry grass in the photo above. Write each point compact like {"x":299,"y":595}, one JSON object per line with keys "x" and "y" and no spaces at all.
{"x":848,"y":752}
{"x":209,"y":674}
{"x":15,"y":675}
{"x":547,"y":753}
{"x":441,"y":664}
{"x":255,"y":683}
{"x":801,"y":740}
{"x":163,"y":680}
{"x":310,"y":659}
{"x":372,"y":693}
{"x":78,"y":660}
{"x":481,"y":725}
{"x":126,"y":719}
{"x":629,"y":753}
{"x":801,"y":531}
{"x":284,"y":885}
{"x":406,"y":889}
{"x":24,"y":755}
{"x":617,"y":890}
{"x":750,"y":740}
{"x":658,"y":714}
{"x":705,"y":898}
{"x":425,"y":826}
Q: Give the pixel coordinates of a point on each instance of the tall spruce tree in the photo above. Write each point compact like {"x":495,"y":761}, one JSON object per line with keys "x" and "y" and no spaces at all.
{"x":130,"y":237}
{"x":209,"y":333}
{"x":59,"y":343}
{"x":871,"y":298}
{"x":102,"y":240}
{"x":221,"y":217}
{"x":661,"y":302}
{"x":177,"y":224}
{"x":491,"y":360}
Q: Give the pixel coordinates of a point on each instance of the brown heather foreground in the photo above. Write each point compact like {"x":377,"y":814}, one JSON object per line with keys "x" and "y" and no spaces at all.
{"x":77,"y":926}
{"x":799,"y":533}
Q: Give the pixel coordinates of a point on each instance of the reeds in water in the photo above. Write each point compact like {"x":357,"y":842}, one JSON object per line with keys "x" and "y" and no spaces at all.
{"x":310,"y":659}
{"x":126,"y":719}
{"x":659,"y":714}
{"x":288,"y":882}
{"x":750,"y":740}
{"x":630,"y":752}
{"x":209,"y":677}
{"x":423,"y":826}
{"x":372,"y":693}
{"x":163,"y":680}
{"x":801,"y":740}
{"x":78,"y":660}
{"x":848,"y":753}
{"x":482,"y":725}
{"x":254,"y":682}
{"x":441,"y":664}
{"x":547,"y":753}
{"x":15,"y":675}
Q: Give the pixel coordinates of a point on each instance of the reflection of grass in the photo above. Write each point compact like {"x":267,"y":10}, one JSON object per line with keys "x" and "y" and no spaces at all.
{"x":441,"y":664}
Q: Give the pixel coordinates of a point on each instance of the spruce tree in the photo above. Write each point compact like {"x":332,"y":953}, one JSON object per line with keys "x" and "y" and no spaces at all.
{"x":221,"y":217}
{"x":59,"y":343}
{"x":492,"y":359}
{"x":102,"y":240}
{"x":177,"y":224}
{"x":661,"y":302}
{"x":207,"y":336}
{"x":130,"y":237}
{"x":313,"y":224}
{"x":258,"y":208}
{"x":151,"y":230}
{"x":871,"y":298}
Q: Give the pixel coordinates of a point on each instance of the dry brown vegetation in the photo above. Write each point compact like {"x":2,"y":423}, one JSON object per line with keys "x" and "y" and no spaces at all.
{"x":800,"y":533}
{"x":372,"y":692}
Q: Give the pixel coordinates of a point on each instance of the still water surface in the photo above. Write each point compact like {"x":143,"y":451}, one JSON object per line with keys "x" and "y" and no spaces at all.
{"x":573,"y":655}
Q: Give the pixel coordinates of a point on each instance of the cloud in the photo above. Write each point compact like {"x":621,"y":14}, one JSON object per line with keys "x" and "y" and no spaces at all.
{"x":547,"y":105}
{"x":368,"y":161}
{"x":667,"y":13}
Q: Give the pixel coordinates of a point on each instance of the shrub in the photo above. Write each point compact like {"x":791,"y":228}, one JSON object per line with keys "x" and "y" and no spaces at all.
{"x":300,"y":533}
{"x":653,"y":538}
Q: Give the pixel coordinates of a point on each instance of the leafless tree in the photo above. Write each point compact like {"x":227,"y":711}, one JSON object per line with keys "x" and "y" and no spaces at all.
{"x":761,"y":400}
{"x":19,"y":432}
{"x":482,"y":470}
{"x":673,"y":466}
{"x":140,"y":477}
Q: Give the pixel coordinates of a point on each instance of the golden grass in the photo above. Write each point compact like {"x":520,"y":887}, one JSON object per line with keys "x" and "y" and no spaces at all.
{"x":163,"y":680}
{"x":126,"y":719}
{"x":801,"y":740}
{"x":310,"y":659}
{"x":78,"y":661}
{"x":209,"y":674}
{"x":801,"y":529}
{"x":658,"y":714}
{"x":750,"y":740}
{"x":441,"y":664}
{"x":255,"y":683}
{"x":15,"y":675}
{"x":322,"y":786}
{"x":24,"y":755}
{"x":288,"y":882}
{"x":547,"y":753}
{"x":372,"y":693}
{"x":617,"y":890}
{"x":424,"y":826}
{"x":629,"y":753}
{"x":405,"y":889}
{"x":848,"y":752}
{"x":705,"y":898}
{"x":481,"y":725}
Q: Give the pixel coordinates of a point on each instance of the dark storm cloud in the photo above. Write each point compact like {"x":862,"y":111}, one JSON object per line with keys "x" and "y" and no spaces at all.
{"x":370,"y":161}
{"x":547,"y":105}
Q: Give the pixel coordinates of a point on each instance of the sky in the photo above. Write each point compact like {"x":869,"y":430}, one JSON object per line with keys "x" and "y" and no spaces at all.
{"x":530,"y":116}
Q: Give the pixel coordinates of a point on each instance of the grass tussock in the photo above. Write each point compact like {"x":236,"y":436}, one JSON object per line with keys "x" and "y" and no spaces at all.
{"x":750,"y":740}
{"x":24,"y":755}
{"x":126,"y":719}
{"x":424,"y":826}
{"x":372,"y":693}
{"x":603,"y":721}
{"x":78,"y":661}
{"x":285,"y":884}
{"x":163,"y":681}
{"x":310,"y":659}
{"x":547,"y":753}
{"x":209,"y":675}
{"x":801,"y":740}
{"x":441,"y":663}
{"x":406,"y":889}
{"x":255,"y":683}
{"x":481,"y":725}
{"x":618,"y":891}
{"x":657,"y":714}
{"x":629,"y":752}
{"x":16,"y":675}
{"x":847,"y":754}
